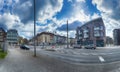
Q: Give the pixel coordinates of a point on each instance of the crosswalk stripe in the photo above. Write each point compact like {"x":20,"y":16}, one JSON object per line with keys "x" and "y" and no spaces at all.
{"x":101,"y":59}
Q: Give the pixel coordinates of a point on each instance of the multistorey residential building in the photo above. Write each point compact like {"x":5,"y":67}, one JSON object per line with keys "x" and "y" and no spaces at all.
{"x":2,"y":35}
{"x":116,"y":36}
{"x":12,"y":36}
{"x":92,"y":32}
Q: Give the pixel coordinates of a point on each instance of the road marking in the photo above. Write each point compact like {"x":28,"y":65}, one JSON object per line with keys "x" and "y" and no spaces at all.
{"x":94,"y":54}
{"x":84,"y":53}
{"x":101,"y":59}
{"x":110,"y":53}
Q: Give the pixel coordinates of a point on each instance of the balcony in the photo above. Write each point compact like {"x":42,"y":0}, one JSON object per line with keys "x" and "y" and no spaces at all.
{"x":80,"y":37}
{"x":98,"y":28}
{"x":85,"y":31}
{"x":98,"y":33}
{"x":86,"y":35}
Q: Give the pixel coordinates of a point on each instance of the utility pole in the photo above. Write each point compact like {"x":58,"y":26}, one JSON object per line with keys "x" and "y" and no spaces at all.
{"x":34,"y":26}
{"x":67,"y":35}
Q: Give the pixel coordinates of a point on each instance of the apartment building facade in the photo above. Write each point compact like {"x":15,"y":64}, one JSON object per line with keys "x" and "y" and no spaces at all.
{"x":92,"y":32}
{"x":12,"y":36}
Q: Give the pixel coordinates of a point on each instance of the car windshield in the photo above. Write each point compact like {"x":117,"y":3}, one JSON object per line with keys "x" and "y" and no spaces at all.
{"x":59,"y":35}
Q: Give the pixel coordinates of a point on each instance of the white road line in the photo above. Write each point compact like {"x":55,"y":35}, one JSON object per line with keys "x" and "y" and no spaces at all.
{"x":94,"y":54}
{"x":84,"y":53}
{"x":101,"y":59}
{"x":110,"y":53}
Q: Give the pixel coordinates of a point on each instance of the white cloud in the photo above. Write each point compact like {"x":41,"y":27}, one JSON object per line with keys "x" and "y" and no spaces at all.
{"x":49,"y":11}
{"x":76,"y":0}
{"x":9,"y":20}
{"x":95,"y":15}
{"x":80,"y":0}
{"x":72,"y":33}
{"x":80,"y":16}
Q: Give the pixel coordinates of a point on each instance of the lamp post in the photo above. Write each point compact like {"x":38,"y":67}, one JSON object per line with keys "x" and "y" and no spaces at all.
{"x":34,"y":27}
{"x":67,"y":35}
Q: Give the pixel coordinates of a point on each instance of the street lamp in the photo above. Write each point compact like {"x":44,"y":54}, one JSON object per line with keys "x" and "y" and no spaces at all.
{"x":34,"y":26}
{"x":67,"y":35}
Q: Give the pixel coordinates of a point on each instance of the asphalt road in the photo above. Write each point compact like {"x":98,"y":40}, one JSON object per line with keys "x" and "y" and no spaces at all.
{"x":76,"y":56}
{"x":23,"y":61}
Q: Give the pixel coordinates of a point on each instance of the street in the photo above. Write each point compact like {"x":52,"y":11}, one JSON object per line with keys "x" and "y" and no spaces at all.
{"x":100,"y":55}
{"x":23,"y":61}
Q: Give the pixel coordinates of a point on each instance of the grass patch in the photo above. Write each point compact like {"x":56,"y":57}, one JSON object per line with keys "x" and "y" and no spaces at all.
{"x":2,"y":54}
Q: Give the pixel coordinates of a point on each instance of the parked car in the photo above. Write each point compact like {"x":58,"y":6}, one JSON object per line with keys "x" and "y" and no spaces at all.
{"x":91,"y":46}
{"x":77,"y":46}
{"x":24,"y":47}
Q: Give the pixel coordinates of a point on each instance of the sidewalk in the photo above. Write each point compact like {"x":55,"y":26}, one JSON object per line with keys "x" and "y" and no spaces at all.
{"x":109,"y":47}
{"x":18,"y":62}
{"x":22,"y":61}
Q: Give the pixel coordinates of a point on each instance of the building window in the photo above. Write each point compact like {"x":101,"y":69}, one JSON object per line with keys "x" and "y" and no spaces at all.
{"x":80,"y":34}
{"x":98,"y":27}
{"x":97,"y":31}
{"x":86,"y":32}
{"x":86,"y":35}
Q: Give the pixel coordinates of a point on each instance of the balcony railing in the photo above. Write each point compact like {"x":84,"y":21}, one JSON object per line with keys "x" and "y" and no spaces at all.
{"x":98,"y":28}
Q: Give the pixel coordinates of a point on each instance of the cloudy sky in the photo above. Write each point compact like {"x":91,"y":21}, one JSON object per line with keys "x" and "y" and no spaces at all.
{"x":52,"y":15}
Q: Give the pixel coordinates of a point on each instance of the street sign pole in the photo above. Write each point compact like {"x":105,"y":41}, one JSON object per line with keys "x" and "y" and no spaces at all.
{"x":34,"y":27}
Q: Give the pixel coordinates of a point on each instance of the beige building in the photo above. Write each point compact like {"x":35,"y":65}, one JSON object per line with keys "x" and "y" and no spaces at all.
{"x":72,"y":40}
{"x":48,"y":38}
{"x":45,"y":37}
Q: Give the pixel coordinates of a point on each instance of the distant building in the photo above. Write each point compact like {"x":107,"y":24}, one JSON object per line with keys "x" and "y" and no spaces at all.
{"x":48,"y":38}
{"x":12,"y":36}
{"x":109,"y":40}
{"x":60,"y":39}
{"x":22,"y":40}
{"x":72,"y":41}
{"x":2,"y":35}
{"x":116,"y":36}
{"x":92,"y":32}
{"x":45,"y":37}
